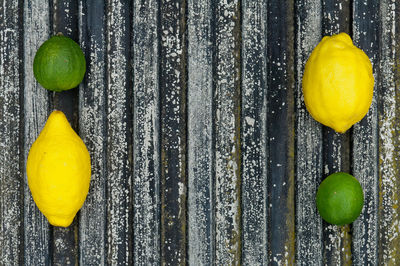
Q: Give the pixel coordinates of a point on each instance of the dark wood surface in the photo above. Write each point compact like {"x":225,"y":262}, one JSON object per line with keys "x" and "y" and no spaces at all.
{"x":203,"y":152}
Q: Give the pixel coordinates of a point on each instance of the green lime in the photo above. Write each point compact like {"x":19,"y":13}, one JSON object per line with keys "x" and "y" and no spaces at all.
{"x":340,"y":199}
{"x":59,"y":64}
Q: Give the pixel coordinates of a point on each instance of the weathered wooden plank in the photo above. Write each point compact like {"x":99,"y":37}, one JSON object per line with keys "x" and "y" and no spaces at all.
{"x":92,"y":128}
{"x":36,"y":110}
{"x":173,"y":132}
{"x":201,"y":238}
{"x":227,"y":133}
{"x":365,"y":139}
{"x":64,"y":20}
{"x":308,"y":142}
{"x":280,"y":132}
{"x":146,"y":149}
{"x":336,"y":147}
{"x":254,"y":133}
{"x":119,"y":133}
{"x":11,"y":134}
{"x":336,"y":16}
{"x":389,"y":135}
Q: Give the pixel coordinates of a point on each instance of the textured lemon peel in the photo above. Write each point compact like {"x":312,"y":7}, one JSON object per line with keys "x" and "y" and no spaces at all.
{"x":58,"y":170}
{"x":338,"y":83}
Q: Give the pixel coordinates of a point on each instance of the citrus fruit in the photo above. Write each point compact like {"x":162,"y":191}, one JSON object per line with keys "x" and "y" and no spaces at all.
{"x":338,"y":83}
{"x":58,"y":170}
{"x":59,"y":64}
{"x":340,"y":199}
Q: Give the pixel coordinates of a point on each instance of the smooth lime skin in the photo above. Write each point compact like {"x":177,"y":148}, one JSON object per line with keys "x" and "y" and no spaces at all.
{"x":340,"y":199}
{"x":59,"y":64}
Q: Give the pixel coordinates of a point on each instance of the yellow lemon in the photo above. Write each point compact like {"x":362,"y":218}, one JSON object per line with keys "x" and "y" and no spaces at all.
{"x":58,"y":170}
{"x":338,"y":83}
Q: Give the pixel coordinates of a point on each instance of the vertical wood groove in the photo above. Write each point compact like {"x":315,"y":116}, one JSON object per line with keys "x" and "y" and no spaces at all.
{"x":36,"y":226}
{"x":173,"y":85}
{"x":280,"y":125}
{"x":254,"y":133}
{"x":365,"y":139}
{"x":11,"y":180}
{"x":389,"y":133}
{"x":119,"y":133}
{"x":308,"y":142}
{"x":201,"y":246}
{"x":227,"y":133}
{"x":146,"y":150}
{"x":92,"y":128}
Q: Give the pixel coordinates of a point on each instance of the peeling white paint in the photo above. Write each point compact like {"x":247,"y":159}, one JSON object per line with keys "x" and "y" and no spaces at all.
{"x":11,"y":213}
{"x":200,"y":155}
{"x":309,"y":164}
{"x":365,"y":169}
{"x":226,"y":157}
{"x":389,"y":139}
{"x":146,"y":139}
{"x":92,"y":224}
{"x":36,"y":226}
{"x":118,"y":172}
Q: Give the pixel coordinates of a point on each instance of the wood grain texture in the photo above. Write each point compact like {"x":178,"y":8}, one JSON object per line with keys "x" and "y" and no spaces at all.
{"x":64,"y":19}
{"x":36,"y":109}
{"x":227,"y":132}
{"x":389,"y":135}
{"x":119,"y":133}
{"x":203,"y":152}
{"x":11,"y":134}
{"x":280,"y":132}
{"x":365,"y":139}
{"x":336,"y":146}
{"x":173,"y":132}
{"x":254,"y":133}
{"x":308,"y":142}
{"x":92,"y":129}
{"x":146,"y":149}
{"x":201,"y":217}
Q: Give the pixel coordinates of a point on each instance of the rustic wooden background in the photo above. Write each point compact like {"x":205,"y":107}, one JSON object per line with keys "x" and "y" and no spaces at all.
{"x":203,"y":152}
